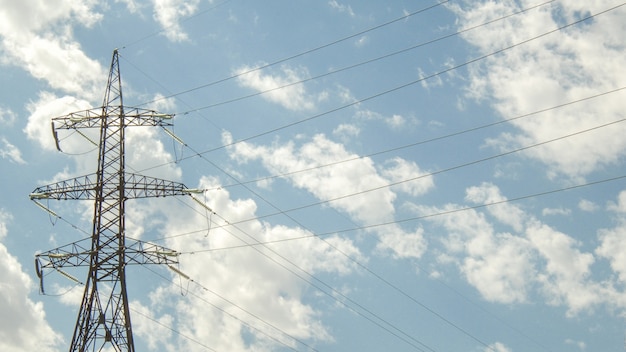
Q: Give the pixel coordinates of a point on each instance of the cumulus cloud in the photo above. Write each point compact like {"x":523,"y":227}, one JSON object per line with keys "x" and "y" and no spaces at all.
{"x":42,"y":43}
{"x":574,"y":63}
{"x":24,"y":326}
{"x":341,"y":8}
{"x":43,"y":110}
{"x":498,"y":347}
{"x":507,"y":266}
{"x":11,"y":152}
{"x":354,"y":187}
{"x":293,"y":97}
{"x":168,"y":14}
{"x":250,"y":297}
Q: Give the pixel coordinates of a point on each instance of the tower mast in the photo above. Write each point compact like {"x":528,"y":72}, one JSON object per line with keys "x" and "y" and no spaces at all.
{"x":103,"y":320}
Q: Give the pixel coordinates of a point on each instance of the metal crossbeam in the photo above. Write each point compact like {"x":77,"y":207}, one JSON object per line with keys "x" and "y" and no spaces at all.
{"x":135,"y":186}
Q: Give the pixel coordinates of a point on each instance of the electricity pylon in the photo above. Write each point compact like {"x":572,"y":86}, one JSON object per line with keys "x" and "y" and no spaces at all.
{"x":103,"y":321}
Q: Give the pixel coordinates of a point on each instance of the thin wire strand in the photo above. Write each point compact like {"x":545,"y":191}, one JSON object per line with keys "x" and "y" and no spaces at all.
{"x":301,"y":53}
{"x":362,"y":63}
{"x":397,"y":88}
{"x":234,"y":316}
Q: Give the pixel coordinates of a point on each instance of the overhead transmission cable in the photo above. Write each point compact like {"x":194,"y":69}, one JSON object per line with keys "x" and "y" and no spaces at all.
{"x":400,"y":221}
{"x":425,"y":141}
{"x":448,"y":169}
{"x":394,"y":89}
{"x":231,"y":315}
{"x":389,"y":185}
{"x":174,"y":25}
{"x":369,"y":61}
{"x":620,"y":5}
{"x":404,"y":17}
{"x":519,"y":44}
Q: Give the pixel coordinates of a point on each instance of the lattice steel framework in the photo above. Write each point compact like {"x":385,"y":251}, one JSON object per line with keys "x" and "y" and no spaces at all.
{"x":103,"y":321}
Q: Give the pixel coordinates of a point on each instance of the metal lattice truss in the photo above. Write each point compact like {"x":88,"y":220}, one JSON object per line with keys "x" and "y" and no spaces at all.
{"x":92,"y":118}
{"x":77,"y":254}
{"x":135,"y":186}
{"x":103,"y":321}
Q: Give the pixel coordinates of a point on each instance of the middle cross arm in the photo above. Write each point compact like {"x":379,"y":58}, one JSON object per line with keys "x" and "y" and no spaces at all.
{"x":135,"y":186}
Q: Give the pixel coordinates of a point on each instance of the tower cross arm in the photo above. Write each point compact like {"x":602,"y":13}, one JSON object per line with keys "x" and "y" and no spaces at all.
{"x":92,"y":118}
{"x":82,"y":187}
{"x":79,"y":253}
{"x":135,"y":186}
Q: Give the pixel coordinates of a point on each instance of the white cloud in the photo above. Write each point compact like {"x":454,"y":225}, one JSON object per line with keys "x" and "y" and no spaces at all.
{"x":345,"y":131}
{"x":555,"y":211}
{"x":341,"y":8}
{"x":507,"y":213}
{"x":11,"y":152}
{"x":43,"y":110}
{"x":498,"y":347}
{"x":587,"y":205}
{"x":347,"y":184}
{"x":401,"y":170}
{"x":580,"y":61}
{"x":293,"y":97}
{"x":580,"y":344}
{"x":37,"y":36}
{"x":154,"y":330}
{"x":362,"y":41}
{"x":498,"y":265}
{"x":168,"y":14}
{"x":565,"y":278}
{"x":24,"y":326}
{"x":257,"y":289}
{"x":7,"y":116}
{"x":612,"y":241}
{"x":395,"y":121}
{"x":507,"y":267}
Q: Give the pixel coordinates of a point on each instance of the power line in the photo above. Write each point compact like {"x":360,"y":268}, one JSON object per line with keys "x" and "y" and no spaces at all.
{"x":445,"y":170}
{"x":349,"y":67}
{"x":439,"y":138}
{"x":394,"y":89}
{"x":395,"y":222}
{"x":136,"y":311}
{"x":234,"y":316}
{"x":302,"y":53}
{"x":134,"y":42}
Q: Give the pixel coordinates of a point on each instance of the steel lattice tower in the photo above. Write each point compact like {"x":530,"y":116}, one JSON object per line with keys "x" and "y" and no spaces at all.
{"x":103,"y":321}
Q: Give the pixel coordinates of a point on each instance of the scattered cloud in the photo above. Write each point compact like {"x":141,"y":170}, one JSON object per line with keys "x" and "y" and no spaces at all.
{"x":587,"y":205}
{"x":41,"y":111}
{"x":341,"y":8}
{"x":292,"y":97}
{"x":555,"y":211}
{"x":498,"y":347}
{"x":362,"y":41}
{"x":38,"y":37}
{"x":224,"y":301}
{"x":11,"y":152}
{"x":346,"y":131}
{"x":24,"y":327}
{"x":354,"y":187}
{"x":506,"y":267}
{"x":580,"y":61}
{"x":7,"y":116}
{"x":400,"y":170}
{"x":168,"y":14}
{"x":582,"y":346}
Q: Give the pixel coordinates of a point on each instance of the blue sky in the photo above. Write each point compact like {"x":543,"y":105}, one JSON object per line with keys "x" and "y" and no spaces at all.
{"x":381,"y":177}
